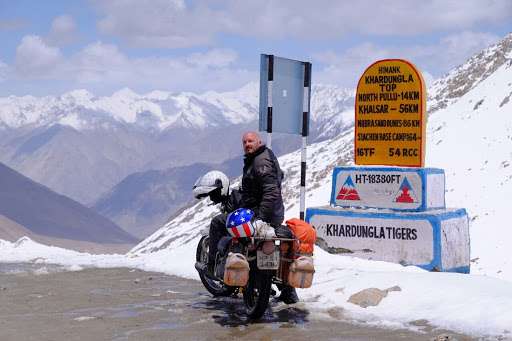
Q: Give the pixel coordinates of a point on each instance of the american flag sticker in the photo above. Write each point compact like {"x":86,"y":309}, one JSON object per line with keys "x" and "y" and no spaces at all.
{"x":239,"y":223}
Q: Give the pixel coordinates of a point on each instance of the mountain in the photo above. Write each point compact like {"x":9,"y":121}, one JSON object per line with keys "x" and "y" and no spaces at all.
{"x":144,"y":201}
{"x":462,"y":79}
{"x":26,"y":206}
{"x":154,"y":111}
{"x":469,"y":136}
{"x":82,"y":146}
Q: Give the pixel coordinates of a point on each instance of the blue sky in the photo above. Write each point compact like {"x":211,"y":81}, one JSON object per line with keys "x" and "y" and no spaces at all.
{"x":50,"y":47}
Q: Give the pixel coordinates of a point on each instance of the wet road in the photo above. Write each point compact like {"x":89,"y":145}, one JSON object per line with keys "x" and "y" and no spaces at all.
{"x":42,"y":303}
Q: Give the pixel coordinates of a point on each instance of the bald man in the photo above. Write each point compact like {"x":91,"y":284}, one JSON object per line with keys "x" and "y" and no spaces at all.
{"x":261,"y":180}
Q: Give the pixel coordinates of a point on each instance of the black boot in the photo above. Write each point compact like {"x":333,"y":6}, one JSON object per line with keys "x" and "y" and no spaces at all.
{"x":210,"y":267}
{"x":288,"y":295}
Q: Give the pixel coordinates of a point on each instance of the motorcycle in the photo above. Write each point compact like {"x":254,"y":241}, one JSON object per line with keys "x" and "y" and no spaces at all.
{"x":251,"y":264}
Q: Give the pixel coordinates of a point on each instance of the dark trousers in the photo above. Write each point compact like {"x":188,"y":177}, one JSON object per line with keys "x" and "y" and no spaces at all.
{"x":217,"y":231}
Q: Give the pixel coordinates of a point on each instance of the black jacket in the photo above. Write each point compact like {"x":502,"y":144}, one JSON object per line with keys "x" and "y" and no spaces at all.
{"x":261,"y":186}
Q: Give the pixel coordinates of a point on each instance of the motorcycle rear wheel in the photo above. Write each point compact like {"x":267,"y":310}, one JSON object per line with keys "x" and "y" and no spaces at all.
{"x":215,"y":287}
{"x":257,"y":293}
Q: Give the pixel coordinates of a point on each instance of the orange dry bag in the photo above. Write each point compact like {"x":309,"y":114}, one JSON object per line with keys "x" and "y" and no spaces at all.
{"x":305,"y":233}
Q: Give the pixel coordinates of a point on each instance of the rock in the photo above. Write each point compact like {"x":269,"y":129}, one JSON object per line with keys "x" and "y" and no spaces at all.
{"x":371,"y":296}
{"x":368,"y":297}
{"x":394,"y":288}
{"x":336,"y":313}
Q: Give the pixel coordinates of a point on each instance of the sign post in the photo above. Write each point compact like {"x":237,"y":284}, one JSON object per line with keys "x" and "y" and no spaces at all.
{"x":390,"y":115}
{"x":398,"y":213}
{"x":285,"y":91}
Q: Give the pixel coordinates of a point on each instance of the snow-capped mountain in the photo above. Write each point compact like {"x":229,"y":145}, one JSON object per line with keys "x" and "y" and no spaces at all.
{"x":470,"y":137}
{"x":81,"y":145}
{"x":467,"y":76}
{"x":157,"y":110}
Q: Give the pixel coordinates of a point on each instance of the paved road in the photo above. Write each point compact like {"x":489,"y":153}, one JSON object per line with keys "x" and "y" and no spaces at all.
{"x":127,"y":304}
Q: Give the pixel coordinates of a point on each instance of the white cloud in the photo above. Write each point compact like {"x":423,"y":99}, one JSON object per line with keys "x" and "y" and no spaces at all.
{"x":346,"y":68}
{"x":327,"y":19}
{"x":162,"y":23}
{"x":157,"y":23}
{"x":63,"y":31}
{"x":213,"y":58}
{"x":455,"y":48}
{"x":103,"y":67}
{"x":99,"y":62}
{"x":35,"y":59}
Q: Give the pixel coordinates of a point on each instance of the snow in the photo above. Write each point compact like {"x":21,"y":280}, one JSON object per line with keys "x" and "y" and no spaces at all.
{"x":82,"y":110}
{"x":477,"y":169}
{"x":471,"y":304}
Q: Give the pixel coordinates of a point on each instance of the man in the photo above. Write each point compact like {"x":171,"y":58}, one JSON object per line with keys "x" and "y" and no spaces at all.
{"x":261,"y":190}
{"x":261,"y":181}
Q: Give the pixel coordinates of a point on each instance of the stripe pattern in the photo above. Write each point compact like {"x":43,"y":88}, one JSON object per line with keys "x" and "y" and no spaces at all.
{"x":305,"y":133}
{"x":238,"y":223}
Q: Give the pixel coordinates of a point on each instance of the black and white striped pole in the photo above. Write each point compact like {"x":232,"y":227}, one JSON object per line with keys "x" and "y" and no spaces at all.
{"x":270,"y":81}
{"x":305,"y":132}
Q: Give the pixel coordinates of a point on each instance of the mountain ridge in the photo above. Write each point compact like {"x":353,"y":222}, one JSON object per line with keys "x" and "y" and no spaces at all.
{"x":46,"y":213}
{"x":157,"y":110}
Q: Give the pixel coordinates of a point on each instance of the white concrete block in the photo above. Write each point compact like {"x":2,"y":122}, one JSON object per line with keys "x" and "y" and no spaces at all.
{"x":434,"y":240}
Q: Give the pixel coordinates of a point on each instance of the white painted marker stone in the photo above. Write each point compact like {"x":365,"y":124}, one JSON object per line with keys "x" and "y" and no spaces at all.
{"x":433,"y":240}
{"x":400,"y":189}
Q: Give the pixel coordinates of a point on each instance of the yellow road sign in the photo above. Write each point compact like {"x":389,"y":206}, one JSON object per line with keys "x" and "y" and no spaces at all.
{"x":390,"y":121}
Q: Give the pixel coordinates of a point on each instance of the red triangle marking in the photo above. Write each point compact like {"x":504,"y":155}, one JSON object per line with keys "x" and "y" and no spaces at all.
{"x":348,"y":194}
{"x":405,"y":196}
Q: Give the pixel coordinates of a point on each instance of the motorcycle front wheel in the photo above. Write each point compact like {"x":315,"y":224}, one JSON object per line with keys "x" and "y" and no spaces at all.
{"x":215,"y":287}
{"x":257,"y":293}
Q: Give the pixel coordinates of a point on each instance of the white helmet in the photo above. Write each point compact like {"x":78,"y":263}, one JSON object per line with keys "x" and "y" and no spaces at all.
{"x":209,"y":182}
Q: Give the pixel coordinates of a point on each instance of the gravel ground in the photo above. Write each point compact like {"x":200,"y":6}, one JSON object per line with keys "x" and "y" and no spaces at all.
{"x":40,"y":302}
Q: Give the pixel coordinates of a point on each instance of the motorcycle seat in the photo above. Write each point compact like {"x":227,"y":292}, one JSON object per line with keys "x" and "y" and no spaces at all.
{"x":283,"y":231}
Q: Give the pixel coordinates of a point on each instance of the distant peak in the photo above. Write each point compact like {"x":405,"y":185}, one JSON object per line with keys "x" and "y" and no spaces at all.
{"x":125,"y":92}
{"x":22,"y":241}
{"x":158,"y":95}
{"x":78,"y":93}
{"x":465,"y":77}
